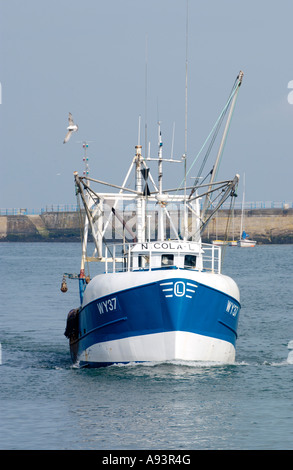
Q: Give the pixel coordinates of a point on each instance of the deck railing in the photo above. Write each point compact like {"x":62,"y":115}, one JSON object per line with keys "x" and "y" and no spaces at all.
{"x":120,"y":258}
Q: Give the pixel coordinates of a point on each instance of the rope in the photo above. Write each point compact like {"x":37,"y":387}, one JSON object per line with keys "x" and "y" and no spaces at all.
{"x":227,"y":231}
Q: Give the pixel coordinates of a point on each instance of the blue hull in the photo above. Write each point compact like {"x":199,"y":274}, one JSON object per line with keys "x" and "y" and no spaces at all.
{"x":169,"y":305}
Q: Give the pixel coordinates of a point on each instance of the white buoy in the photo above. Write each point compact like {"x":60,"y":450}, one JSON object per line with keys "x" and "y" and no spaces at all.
{"x":290,"y":357}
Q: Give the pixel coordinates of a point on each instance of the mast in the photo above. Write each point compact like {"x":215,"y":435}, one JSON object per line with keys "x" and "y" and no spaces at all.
{"x":140,"y":202}
{"x":160,"y":184}
{"x":185,"y":132}
{"x":242,"y":209}
{"x":85,"y":232}
{"x":161,"y":196}
{"x":240,"y":77}
{"x":160,"y":155}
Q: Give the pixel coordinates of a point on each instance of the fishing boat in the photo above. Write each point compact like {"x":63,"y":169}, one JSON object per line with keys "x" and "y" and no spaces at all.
{"x":160,"y":294}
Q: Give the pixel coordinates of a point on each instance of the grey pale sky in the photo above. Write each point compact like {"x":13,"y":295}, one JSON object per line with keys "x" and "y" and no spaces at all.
{"x":109,"y":62}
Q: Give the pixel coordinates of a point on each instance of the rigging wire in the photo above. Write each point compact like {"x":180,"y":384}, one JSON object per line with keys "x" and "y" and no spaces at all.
{"x":214,"y":136}
{"x":217,"y":129}
{"x":228,"y":225}
{"x":91,"y":192}
{"x":222,"y":114}
{"x":81,"y":224}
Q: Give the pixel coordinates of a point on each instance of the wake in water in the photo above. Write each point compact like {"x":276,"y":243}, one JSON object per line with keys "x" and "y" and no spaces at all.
{"x":56,"y":358}
{"x":34,"y":356}
{"x":191,"y":364}
{"x":289,"y":359}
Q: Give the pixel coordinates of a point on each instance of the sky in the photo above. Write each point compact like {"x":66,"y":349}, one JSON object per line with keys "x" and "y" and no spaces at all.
{"x":116,"y":63}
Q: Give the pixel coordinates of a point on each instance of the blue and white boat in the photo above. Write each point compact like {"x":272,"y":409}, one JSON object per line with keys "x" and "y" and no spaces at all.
{"x":160,"y":295}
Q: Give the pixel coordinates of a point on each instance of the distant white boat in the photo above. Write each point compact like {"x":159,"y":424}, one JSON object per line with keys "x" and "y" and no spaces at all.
{"x":232,"y":242}
{"x":225,"y":242}
{"x":244,"y":241}
{"x":219,"y":242}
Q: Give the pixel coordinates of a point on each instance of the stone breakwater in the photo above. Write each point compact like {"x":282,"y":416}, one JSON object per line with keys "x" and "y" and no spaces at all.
{"x":262,"y":225}
{"x":49,"y":226}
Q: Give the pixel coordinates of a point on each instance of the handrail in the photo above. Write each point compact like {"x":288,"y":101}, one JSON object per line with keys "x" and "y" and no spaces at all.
{"x":122,"y":257}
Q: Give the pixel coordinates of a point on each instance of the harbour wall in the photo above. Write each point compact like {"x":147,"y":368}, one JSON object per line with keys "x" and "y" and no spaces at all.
{"x":262,"y":225}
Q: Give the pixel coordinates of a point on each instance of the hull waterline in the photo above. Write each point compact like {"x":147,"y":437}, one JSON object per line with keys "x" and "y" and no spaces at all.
{"x":187,"y":317}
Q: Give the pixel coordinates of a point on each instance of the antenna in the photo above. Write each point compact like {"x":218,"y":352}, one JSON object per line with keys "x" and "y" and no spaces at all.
{"x":160,"y":157}
{"x":138,"y":137}
{"x":186,"y":74}
{"x":85,"y":159}
{"x":85,"y":144}
{"x":172,"y":147}
{"x":146,"y":93}
{"x":185,"y":139}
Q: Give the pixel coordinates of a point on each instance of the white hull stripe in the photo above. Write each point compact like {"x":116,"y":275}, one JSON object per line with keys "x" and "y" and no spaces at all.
{"x":160,"y":347}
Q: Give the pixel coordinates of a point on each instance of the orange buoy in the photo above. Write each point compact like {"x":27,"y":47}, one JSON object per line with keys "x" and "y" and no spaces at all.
{"x":63,"y":285}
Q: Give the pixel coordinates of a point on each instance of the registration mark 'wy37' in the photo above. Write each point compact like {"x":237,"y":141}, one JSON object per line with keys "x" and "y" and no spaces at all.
{"x":232,"y":308}
{"x":108,"y":305}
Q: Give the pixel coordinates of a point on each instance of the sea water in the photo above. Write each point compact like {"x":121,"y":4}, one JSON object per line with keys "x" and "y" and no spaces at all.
{"x":47,"y":403}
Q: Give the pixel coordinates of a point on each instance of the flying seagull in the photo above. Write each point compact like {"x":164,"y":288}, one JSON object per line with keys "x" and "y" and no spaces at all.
{"x":71,"y":128}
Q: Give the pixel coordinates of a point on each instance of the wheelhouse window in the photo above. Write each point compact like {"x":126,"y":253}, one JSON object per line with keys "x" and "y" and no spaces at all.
{"x":167,"y":260}
{"x":143,"y":261}
{"x":190,"y":261}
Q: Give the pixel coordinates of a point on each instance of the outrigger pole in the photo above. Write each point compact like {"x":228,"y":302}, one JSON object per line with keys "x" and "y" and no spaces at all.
{"x":233,"y":98}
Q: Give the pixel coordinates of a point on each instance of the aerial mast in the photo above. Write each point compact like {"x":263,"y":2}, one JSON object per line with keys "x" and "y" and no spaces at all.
{"x":140,"y":203}
{"x":185,"y":133}
{"x":82,"y":278}
{"x":160,"y":184}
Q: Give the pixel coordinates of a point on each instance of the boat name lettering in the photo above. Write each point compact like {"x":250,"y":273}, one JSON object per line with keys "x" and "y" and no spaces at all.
{"x":108,"y":305}
{"x":232,"y":308}
{"x":168,"y":246}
